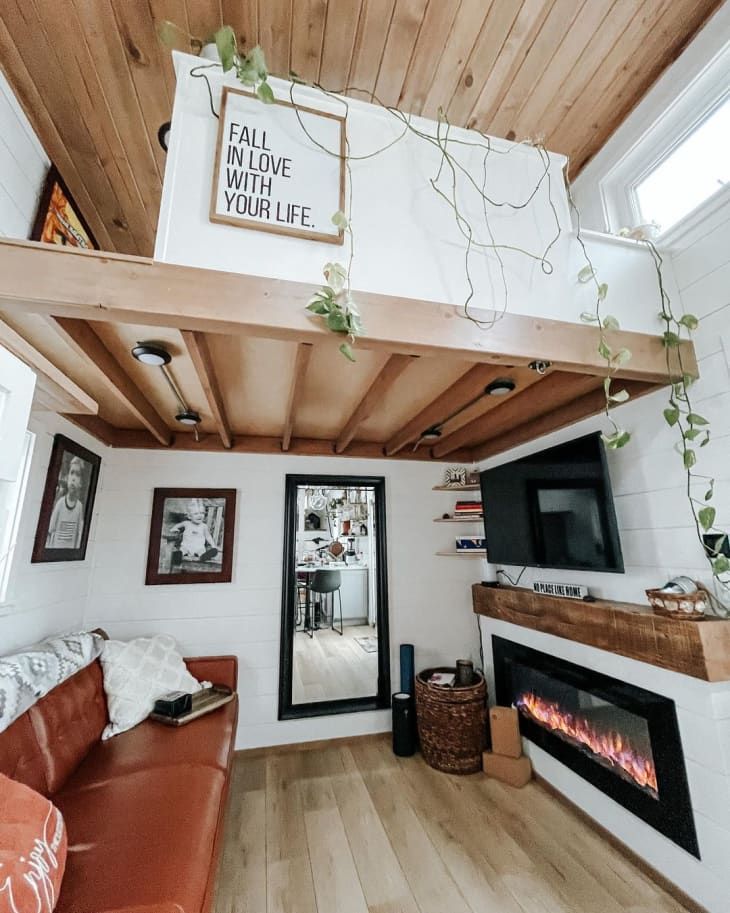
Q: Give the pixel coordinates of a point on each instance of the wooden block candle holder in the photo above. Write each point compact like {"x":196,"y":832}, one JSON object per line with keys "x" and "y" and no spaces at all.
{"x":504,"y":725}
{"x":513,"y":771}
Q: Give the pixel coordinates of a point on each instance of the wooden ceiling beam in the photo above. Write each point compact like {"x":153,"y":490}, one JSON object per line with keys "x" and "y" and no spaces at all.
{"x":552,"y":391}
{"x":199,"y":352}
{"x":84,"y":341}
{"x":124,"y":289}
{"x":459,"y":394}
{"x":266,"y":444}
{"x":583,"y":407}
{"x":304,"y":353}
{"x":98,"y":428}
{"x":391,"y":371}
{"x":60,"y":391}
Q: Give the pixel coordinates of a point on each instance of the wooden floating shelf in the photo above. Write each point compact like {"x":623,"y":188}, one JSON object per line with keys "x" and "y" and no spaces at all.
{"x":697,"y":648}
{"x":474,"y":487}
{"x":466,"y":553}
{"x":458,"y":519}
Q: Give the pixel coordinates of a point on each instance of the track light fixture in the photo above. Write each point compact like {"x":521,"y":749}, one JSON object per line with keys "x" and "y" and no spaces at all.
{"x":163,"y":135}
{"x":431,"y":434}
{"x":188,"y":417}
{"x":150,"y":353}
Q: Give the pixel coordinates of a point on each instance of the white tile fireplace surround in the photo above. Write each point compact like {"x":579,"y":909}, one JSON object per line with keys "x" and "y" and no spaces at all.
{"x":703,"y":714}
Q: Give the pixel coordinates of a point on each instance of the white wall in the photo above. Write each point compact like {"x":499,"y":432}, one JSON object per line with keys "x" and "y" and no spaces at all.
{"x":45,"y":599}
{"x":23,"y":167}
{"x":406,"y":239}
{"x":430,"y":600}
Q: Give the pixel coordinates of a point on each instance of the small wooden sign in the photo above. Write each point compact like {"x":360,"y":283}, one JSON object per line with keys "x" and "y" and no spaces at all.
{"x":278,"y":168}
{"x":568,"y":590}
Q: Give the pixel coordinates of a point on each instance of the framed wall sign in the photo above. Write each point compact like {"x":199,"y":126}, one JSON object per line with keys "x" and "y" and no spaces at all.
{"x":68,"y":503}
{"x":191,"y":536}
{"x":58,"y":220}
{"x":269,"y":175}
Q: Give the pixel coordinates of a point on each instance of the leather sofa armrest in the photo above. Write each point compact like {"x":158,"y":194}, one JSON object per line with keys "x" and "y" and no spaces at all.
{"x":220,"y":670}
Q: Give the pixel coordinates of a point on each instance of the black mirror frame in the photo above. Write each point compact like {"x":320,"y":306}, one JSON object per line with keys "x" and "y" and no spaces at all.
{"x":380,"y":700}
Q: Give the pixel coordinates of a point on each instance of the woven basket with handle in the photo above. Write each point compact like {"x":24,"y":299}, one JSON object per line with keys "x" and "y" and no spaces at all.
{"x":451,"y":723}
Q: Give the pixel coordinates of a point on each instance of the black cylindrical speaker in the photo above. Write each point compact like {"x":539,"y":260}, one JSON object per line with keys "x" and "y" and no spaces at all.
{"x":404,"y":725}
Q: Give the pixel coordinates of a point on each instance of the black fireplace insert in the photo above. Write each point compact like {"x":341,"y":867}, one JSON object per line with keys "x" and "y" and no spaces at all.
{"x":621,"y":738}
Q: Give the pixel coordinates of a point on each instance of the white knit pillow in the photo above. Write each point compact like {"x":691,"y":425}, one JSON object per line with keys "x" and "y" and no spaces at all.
{"x":136,"y":673}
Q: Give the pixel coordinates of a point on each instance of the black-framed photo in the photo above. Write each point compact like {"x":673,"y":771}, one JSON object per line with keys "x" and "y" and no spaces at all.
{"x":68,"y":503}
{"x":191,"y":536}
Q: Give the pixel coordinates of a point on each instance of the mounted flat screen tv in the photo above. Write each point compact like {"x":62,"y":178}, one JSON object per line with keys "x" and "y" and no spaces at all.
{"x":553,"y":509}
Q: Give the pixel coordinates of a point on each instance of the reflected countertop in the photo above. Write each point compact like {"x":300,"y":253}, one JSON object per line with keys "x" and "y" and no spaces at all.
{"x":333,"y":566}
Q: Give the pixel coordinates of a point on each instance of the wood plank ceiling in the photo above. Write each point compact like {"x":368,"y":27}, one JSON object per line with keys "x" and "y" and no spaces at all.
{"x":97,"y":84}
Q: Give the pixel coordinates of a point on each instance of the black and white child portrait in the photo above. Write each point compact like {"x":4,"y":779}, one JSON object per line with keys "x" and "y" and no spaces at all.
{"x":192,"y":535}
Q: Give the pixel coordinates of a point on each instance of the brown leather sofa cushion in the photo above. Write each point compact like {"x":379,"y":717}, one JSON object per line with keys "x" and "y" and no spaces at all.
{"x":20,"y":756}
{"x":206,"y":741}
{"x":143,"y":838}
{"x":68,"y":721}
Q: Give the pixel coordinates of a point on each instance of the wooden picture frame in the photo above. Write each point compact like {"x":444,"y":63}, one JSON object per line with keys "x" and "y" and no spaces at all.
{"x":62,"y":533}
{"x":59,"y":220}
{"x":239,"y":221}
{"x":191,"y":536}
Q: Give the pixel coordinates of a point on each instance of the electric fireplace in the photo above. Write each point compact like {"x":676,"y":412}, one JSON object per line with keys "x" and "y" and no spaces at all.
{"x":622,"y":739}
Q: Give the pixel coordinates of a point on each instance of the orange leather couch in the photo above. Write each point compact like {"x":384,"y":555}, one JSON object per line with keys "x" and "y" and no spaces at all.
{"x":144,"y":811}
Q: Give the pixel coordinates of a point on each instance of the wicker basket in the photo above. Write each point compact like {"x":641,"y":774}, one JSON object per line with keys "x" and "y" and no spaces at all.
{"x":680,"y":606}
{"x":451,"y":723}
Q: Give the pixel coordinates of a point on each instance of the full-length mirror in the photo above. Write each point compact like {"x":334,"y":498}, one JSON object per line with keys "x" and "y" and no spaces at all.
{"x":334,"y":631}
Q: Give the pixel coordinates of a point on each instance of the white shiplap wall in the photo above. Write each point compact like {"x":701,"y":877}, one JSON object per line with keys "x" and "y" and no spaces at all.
{"x":46,"y":599}
{"x":23,"y":167}
{"x":429,"y":596}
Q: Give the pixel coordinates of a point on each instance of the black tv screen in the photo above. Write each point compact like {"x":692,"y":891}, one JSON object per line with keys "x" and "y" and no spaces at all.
{"x":553,"y":509}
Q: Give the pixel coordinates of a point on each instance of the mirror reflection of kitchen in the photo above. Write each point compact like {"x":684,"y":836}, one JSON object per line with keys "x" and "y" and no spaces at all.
{"x":335,"y":636}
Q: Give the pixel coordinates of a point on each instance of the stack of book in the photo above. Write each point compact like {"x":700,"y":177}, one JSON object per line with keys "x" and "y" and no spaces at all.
{"x":468,"y":510}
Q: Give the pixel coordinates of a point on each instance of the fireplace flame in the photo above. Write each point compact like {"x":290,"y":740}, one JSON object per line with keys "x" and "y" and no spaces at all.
{"x":611,"y":747}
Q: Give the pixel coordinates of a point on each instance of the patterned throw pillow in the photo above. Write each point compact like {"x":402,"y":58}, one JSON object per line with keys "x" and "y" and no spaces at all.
{"x":26,"y":676}
{"x":136,"y":673}
{"x":32,"y":849}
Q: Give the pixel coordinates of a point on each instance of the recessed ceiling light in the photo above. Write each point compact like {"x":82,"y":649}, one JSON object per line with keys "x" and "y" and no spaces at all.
{"x":431,"y":434}
{"x":500,"y":387}
{"x":150,"y":354}
{"x":189,"y":417}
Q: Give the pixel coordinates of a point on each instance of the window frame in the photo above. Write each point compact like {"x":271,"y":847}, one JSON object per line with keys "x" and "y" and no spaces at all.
{"x":9,"y":538}
{"x":675,"y":115}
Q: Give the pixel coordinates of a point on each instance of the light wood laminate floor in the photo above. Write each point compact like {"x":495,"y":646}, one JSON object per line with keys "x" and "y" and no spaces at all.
{"x":331,"y":666}
{"x":350,"y":828}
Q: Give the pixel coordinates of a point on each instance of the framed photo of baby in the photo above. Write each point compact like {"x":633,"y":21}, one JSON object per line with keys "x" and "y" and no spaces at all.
{"x":191,"y":536}
{"x":68,"y":503}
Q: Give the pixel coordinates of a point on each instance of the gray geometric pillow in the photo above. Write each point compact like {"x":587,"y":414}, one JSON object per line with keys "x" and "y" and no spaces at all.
{"x":28,"y":675}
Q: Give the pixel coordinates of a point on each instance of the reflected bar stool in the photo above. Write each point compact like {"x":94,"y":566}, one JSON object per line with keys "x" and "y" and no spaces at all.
{"x":324,"y":584}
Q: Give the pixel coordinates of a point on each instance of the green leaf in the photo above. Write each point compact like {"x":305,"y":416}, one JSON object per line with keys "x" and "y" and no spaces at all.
{"x":247,"y":75}
{"x":692,"y":434}
{"x":706,"y":441}
{"x":604,"y":350}
{"x":689,"y":458}
{"x":671,"y":340}
{"x":710,"y":491}
{"x":610,"y":322}
{"x":694,"y":419}
{"x":317,"y":307}
{"x":336,"y":275}
{"x":586,"y":274}
{"x":337,"y":322}
{"x":620,"y":397}
{"x":688,"y":380}
{"x":257,"y":60}
{"x":689,"y":321}
{"x":340,"y":220}
{"x":588,"y":317}
{"x":721,"y":564}
{"x":621,"y":357}
{"x":346,"y":350}
{"x":671,"y":416}
{"x":602,"y":291}
{"x":706,"y":516}
{"x":616,"y":440}
{"x":265,"y":93}
{"x":225,"y":41}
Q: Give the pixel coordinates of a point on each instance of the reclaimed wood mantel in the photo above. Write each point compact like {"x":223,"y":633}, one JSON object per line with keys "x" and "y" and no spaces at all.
{"x":697,"y":648}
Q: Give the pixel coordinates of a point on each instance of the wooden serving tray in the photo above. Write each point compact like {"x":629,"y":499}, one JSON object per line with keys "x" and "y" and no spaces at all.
{"x":203,"y":702}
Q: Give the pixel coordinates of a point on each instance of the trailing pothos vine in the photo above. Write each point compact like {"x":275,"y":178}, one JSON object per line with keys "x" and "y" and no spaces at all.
{"x":334,"y":302}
